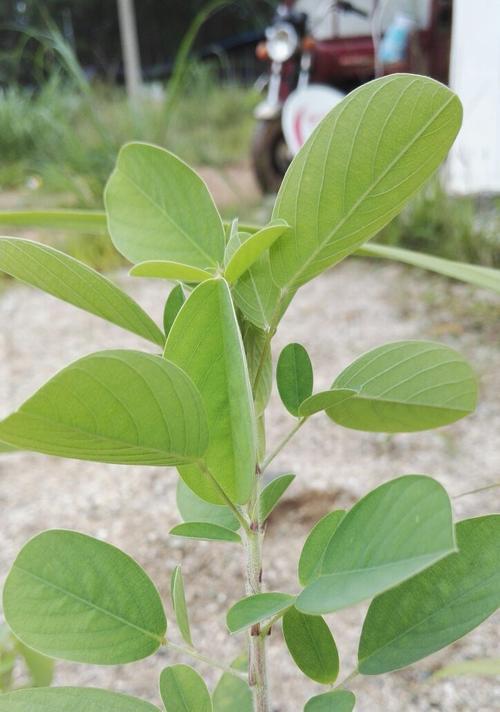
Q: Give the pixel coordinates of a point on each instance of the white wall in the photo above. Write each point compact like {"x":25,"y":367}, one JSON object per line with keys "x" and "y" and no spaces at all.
{"x":474,"y":163}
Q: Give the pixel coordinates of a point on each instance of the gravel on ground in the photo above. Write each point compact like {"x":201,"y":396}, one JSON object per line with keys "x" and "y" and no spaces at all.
{"x":354,"y":307}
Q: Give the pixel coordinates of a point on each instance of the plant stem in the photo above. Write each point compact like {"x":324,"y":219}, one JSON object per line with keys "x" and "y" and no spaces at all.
{"x":257,"y":669}
{"x":204,"y":659}
{"x":494,"y":485}
{"x":348,"y":679}
{"x":284,"y":442}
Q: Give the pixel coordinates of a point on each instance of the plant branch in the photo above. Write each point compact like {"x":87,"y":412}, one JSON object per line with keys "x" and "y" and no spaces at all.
{"x":257,"y":668}
{"x":266,"y":629}
{"x":284,"y":442}
{"x":494,"y":485}
{"x":239,"y":516}
{"x":348,"y":679}
{"x":204,"y":659}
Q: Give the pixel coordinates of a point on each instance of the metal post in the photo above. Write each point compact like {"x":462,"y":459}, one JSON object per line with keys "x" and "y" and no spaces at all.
{"x":130,"y":48}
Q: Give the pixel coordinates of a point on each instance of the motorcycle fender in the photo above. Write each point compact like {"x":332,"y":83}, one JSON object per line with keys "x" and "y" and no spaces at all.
{"x":265,"y":111}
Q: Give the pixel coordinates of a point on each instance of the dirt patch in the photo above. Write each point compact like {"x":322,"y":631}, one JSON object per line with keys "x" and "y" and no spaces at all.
{"x":343,"y":313}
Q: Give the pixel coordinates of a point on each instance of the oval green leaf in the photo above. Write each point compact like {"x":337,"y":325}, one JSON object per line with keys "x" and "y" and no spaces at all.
{"x":205,"y":341}
{"x":252,"y":248}
{"x":74,"y":282}
{"x":76,"y":699}
{"x":256,"y":342}
{"x":438,"y":606}
{"x":40,"y":667}
{"x":55,"y":601}
{"x":256,"y":608}
{"x":179,"y":605}
{"x":311,"y":645}
{"x":158,"y":208}
{"x":205,"y":531}
{"x":123,"y":407}
{"x":366,"y":158}
{"x":255,"y":293}
{"x":231,"y":692}
{"x":272,"y":493}
{"x":194,"y":509}
{"x":162,"y":269}
{"x":172,"y":307}
{"x":395,"y":531}
{"x":183,"y":690}
{"x":294,"y":377}
{"x":311,"y":557}
{"x":335,"y":701}
{"x":405,"y":386}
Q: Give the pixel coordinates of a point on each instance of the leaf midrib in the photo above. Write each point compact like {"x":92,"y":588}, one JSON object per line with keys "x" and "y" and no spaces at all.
{"x":360,"y":396}
{"x":88,"y":603}
{"x":329,"y":237}
{"x":212,"y":261}
{"x":438,"y":610}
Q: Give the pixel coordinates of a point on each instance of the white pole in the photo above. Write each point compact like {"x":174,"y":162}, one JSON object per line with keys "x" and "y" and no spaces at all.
{"x":130,"y":48}
{"x":474,"y":163}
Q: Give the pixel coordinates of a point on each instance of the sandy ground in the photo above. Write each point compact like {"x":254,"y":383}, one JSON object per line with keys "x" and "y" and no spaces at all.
{"x":353,"y":308}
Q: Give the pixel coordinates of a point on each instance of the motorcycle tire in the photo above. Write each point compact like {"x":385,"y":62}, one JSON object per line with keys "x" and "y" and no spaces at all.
{"x":270,"y":155}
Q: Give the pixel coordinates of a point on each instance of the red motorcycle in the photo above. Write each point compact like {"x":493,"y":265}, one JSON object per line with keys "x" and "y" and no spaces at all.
{"x":314,"y":63}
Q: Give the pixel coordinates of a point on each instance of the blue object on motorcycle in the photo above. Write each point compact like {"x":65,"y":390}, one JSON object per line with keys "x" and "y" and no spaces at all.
{"x":395,"y":41}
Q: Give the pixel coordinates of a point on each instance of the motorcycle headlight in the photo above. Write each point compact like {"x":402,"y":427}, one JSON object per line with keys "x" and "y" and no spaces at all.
{"x":282,"y":41}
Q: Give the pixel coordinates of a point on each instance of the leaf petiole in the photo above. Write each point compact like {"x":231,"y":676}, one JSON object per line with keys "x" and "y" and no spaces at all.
{"x":204,"y":659}
{"x":284,"y":442}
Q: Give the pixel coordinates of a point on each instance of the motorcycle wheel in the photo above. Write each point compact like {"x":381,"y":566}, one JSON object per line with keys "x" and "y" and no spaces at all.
{"x":270,"y":155}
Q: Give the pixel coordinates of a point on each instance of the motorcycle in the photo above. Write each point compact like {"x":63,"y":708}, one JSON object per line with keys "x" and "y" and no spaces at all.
{"x":310,"y":71}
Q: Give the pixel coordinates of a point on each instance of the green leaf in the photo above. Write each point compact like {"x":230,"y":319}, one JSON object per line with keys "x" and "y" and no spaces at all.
{"x":311,"y":645}
{"x":194,"y":509}
{"x":438,"y":606}
{"x":477,"y":275}
{"x":179,"y":605}
{"x":395,"y":531}
{"x":255,"y":342}
{"x":205,"y":342}
{"x":40,"y":668}
{"x":76,"y":699}
{"x":325,"y":400}
{"x":252,"y":248}
{"x":122,"y":407}
{"x":294,"y":377}
{"x":480,"y":667}
{"x":5,"y":448}
{"x":335,"y":701}
{"x":272,"y":493}
{"x":405,"y":386}
{"x":255,"y":293}
{"x":159,"y":209}
{"x":174,"y":302}
{"x":183,"y":690}
{"x":205,"y":531}
{"x":74,"y":597}
{"x":256,"y":608}
{"x":366,"y":158}
{"x":73,"y":282}
{"x":161,"y":269}
{"x":311,"y":557}
{"x":231,"y":693}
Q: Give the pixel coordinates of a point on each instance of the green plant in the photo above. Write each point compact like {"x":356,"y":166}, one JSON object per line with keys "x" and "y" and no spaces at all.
{"x":38,"y":670}
{"x":200,"y":406}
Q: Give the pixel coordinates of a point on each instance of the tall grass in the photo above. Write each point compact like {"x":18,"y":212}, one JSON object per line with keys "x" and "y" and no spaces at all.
{"x":50,"y":135}
{"x":457,"y":228}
